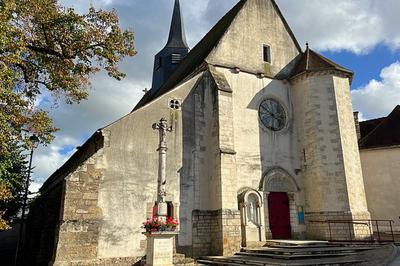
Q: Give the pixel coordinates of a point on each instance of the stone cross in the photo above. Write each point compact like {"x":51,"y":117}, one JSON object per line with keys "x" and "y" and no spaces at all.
{"x":162,"y":128}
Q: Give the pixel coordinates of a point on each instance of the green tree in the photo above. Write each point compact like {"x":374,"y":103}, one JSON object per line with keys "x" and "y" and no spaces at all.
{"x":48,"y":49}
{"x":13,"y":172}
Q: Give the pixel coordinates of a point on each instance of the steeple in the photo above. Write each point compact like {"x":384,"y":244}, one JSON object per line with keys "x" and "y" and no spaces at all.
{"x":177,"y":36}
{"x":168,"y":59}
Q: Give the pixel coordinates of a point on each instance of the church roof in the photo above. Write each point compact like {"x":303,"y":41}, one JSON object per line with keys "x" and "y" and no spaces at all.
{"x":177,"y":37}
{"x":196,"y":56}
{"x":382,"y":132}
{"x":311,"y":61}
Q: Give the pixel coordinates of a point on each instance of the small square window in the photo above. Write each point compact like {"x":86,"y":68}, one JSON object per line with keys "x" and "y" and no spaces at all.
{"x":267,"y":54}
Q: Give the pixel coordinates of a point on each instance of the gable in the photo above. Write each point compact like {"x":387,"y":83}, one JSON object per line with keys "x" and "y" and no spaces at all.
{"x":258,"y":23}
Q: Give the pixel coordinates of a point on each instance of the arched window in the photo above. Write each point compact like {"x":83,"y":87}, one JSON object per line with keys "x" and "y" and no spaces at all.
{"x":252,"y":209}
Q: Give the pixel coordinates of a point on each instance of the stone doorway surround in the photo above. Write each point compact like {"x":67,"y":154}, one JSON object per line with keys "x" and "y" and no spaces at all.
{"x":251,"y":216}
{"x":277,"y":179}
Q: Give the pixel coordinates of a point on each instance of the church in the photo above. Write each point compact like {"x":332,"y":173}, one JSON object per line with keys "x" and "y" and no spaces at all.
{"x":263,"y":145}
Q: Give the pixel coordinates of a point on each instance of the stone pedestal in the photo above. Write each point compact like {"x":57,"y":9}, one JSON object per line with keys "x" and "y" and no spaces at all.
{"x":160,"y":248}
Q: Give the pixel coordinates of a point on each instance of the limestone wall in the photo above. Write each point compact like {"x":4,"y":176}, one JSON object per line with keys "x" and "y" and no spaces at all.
{"x":257,"y":24}
{"x":109,"y":196}
{"x":331,"y":167}
{"x":349,"y":144}
{"x":258,"y":149}
{"x":381,"y":170}
{"x":129,"y":185}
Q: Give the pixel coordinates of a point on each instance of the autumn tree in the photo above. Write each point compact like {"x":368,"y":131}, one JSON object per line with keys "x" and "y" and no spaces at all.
{"x":47,"y":49}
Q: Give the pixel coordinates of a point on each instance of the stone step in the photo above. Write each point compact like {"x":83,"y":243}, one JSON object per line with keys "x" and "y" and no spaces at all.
{"x":308,"y":250}
{"x":249,"y":261}
{"x":297,"y":243}
{"x":295,"y":256}
{"x":181,"y":259}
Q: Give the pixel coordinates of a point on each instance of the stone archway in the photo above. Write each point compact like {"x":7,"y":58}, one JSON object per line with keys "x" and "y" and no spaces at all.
{"x":252,"y":216}
{"x":280,"y":217}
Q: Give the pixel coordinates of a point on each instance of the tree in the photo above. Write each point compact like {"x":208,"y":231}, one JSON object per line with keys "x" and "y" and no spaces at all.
{"x":46,"y":49}
{"x":13,"y":172}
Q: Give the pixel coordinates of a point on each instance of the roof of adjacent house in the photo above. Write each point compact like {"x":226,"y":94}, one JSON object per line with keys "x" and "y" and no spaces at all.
{"x":311,"y":61}
{"x":381,"y":132}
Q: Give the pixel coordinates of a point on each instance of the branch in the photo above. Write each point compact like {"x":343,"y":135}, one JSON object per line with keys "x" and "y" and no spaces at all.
{"x":45,"y":51}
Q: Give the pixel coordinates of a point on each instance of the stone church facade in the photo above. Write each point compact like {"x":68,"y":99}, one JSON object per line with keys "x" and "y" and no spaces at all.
{"x":263,"y":146}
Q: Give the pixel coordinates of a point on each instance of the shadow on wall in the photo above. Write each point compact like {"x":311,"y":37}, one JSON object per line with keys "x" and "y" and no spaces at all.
{"x":8,"y":243}
{"x":276,"y":146}
{"x":186,"y":174}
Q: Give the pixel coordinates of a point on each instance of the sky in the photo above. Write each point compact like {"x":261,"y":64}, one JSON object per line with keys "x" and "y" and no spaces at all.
{"x":361,"y":35}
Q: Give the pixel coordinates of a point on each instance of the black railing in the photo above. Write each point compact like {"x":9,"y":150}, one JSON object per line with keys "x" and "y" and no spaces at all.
{"x":359,"y":230}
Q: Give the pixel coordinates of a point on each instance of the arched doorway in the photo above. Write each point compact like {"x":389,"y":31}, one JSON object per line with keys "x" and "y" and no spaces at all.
{"x":279,"y":192}
{"x":252,"y":216}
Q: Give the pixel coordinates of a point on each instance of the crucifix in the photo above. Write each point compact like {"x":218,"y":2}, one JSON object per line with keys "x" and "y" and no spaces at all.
{"x":145,"y":90}
{"x":162,"y":128}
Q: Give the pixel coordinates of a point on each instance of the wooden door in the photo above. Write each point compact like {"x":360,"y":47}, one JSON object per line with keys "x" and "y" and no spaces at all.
{"x":279,"y":215}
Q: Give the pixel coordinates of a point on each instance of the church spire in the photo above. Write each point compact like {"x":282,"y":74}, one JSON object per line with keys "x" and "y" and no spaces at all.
{"x":168,"y":59}
{"x":177,"y":37}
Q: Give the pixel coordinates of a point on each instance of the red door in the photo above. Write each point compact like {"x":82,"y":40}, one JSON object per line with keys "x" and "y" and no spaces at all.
{"x":279,"y":215}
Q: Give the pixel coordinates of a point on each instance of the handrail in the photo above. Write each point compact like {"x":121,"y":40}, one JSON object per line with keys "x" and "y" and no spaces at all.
{"x":351,"y":223}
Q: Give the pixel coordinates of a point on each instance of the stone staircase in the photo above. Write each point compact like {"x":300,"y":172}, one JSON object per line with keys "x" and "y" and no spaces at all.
{"x":294,"y":253}
{"x":182,"y":260}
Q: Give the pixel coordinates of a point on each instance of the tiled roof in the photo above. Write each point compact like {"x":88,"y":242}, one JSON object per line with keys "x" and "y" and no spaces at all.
{"x":311,"y":61}
{"x":385,"y":133}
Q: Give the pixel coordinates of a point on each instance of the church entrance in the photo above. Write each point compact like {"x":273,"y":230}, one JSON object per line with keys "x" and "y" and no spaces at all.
{"x":279,"y":215}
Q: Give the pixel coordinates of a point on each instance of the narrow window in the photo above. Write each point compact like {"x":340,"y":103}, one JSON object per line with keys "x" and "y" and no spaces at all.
{"x":158,"y":62}
{"x":267,"y":54}
{"x":176,"y":58}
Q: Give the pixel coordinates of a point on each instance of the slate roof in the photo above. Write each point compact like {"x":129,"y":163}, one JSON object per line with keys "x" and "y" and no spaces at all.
{"x":311,"y":61}
{"x":382,"y":132}
{"x":177,"y":37}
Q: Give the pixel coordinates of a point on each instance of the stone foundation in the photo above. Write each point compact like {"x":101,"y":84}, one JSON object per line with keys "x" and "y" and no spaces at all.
{"x":216,"y":232}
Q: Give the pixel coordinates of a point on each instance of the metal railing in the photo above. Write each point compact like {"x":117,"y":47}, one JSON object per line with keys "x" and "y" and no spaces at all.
{"x":359,"y":230}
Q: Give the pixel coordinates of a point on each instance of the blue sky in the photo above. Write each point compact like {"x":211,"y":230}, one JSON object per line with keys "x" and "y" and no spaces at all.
{"x":366,"y":66}
{"x":361,"y":35}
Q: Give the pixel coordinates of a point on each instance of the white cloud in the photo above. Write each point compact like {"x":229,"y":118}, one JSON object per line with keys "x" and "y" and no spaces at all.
{"x":357,"y":25}
{"x":378,"y":98}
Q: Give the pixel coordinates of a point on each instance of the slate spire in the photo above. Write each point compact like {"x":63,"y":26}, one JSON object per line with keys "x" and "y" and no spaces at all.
{"x":168,"y":59}
{"x":177,"y":36}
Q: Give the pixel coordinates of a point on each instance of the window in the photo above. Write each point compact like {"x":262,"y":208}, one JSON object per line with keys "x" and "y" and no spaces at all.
{"x":158,"y":62}
{"x":252,"y":209}
{"x":175,"y":104}
{"x":176,"y":58}
{"x":267,"y":54}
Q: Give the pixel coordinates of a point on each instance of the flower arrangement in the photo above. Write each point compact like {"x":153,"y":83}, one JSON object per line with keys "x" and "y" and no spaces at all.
{"x":158,"y":225}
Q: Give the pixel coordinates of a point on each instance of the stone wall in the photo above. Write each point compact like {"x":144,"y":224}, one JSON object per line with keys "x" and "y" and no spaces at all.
{"x":216,"y":232}
{"x":257,"y":24}
{"x":332,"y":172}
{"x":81,"y":217}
